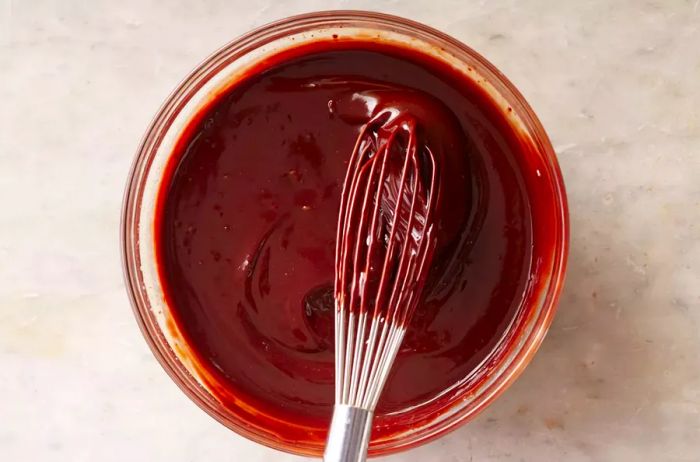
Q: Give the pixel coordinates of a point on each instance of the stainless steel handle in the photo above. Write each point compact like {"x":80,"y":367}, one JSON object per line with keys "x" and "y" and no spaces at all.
{"x":348,"y":437}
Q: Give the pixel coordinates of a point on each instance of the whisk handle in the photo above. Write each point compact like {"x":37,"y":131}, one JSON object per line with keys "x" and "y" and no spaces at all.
{"x":348,"y":437}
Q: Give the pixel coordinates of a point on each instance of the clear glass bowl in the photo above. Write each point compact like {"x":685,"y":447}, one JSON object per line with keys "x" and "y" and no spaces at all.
{"x":223,"y":67}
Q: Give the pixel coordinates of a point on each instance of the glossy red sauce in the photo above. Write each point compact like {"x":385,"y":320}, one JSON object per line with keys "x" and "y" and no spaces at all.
{"x":246,"y":234}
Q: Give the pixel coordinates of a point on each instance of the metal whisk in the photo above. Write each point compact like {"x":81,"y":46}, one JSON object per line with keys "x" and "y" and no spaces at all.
{"x":385,"y":243}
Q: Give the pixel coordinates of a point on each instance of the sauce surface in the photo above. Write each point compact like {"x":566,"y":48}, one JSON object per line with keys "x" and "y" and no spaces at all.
{"x":246,"y":234}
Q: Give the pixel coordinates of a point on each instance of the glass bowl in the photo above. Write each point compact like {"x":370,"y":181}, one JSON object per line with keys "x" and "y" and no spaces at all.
{"x":527,"y":330}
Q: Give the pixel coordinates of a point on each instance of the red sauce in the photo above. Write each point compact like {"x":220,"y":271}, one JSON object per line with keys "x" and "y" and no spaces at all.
{"x":246,"y":234}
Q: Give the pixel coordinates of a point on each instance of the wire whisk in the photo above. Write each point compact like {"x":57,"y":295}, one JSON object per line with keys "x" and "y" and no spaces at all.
{"x":384,"y":247}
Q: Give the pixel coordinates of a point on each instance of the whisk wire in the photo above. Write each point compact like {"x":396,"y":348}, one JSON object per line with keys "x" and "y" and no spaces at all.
{"x":344,"y":352}
{"x":363,"y":275}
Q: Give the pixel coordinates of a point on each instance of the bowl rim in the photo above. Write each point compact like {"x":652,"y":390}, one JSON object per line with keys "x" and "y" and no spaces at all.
{"x":131,"y":209}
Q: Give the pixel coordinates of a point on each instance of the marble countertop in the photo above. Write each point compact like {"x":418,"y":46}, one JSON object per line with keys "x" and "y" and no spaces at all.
{"x":616,"y":84}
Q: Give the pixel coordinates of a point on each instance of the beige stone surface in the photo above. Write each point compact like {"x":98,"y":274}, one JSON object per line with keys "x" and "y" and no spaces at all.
{"x":615,"y":83}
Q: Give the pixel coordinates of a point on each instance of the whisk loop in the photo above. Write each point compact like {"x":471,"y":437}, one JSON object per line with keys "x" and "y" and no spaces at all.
{"x":385,"y":242}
